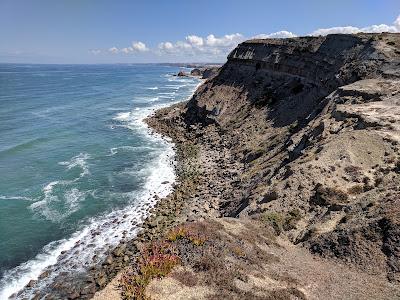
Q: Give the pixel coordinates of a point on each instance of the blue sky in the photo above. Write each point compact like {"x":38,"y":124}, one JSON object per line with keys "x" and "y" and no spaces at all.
{"x":99,"y":31}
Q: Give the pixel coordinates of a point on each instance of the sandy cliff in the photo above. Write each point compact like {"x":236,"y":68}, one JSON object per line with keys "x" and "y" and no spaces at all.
{"x":303,"y":134}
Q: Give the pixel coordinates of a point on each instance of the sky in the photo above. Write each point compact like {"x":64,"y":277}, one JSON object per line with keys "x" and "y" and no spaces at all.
{"x":129,"y":31}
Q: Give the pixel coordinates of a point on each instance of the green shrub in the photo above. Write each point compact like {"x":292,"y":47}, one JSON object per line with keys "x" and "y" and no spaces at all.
{"x":282,"y":222}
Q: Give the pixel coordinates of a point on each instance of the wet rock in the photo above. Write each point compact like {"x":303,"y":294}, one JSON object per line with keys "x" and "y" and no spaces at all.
{"x":37,"y":296}
{"x":31,"y":283}
{"x":182,"y":74}
{"x":44,"y":274}
{"x":101,"y":281}
{"x":196,"y":72}
{"x":109,"y":260}
{"x":119,"y":251}
{"x":152,"y":224}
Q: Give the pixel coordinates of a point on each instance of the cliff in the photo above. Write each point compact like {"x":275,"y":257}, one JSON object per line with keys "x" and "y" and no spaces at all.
{"x":315,"y":123}
{"x":289,"y":176}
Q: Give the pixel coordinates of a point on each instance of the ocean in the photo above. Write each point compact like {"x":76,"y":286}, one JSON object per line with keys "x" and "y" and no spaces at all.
{"x":79,"y":168}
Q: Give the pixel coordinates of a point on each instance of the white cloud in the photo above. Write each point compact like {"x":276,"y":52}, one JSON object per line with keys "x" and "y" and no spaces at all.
{"x":214,"y":47}
{"x":127,"y":50}
{"x":195,"y":40}
{"x":179,"y":46}
{"x":397,"y":23}
{"x":225,"y":41}
{"x":166,"y":46}
{"x":183,"y":45}
{"x":113,"y":50}
{"x":275,"y":35}
{"x":95,"y":51}
{"x":351,"y":29}
{"x":202,"y":47}
{"x":326,"y":31}
{"x":139,"y":46}
{"x":135,"y":47}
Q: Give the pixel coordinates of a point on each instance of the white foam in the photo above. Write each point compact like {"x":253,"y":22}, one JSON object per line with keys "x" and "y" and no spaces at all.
{"x":168,"y":93}
{"x":153,"y":99}
{"x":78,"y":161}
{"x":17,"y":278}
{"x":152,"y":88}
{"x":175,"y":86}
{"x":102,"y":232}
{"x":49,"y":205}
{"x":2,"y":197}
{"x":116,"y":150}
{"x":179,"y":79}
{"x":123,"y":116}
{"x":166,"y":97}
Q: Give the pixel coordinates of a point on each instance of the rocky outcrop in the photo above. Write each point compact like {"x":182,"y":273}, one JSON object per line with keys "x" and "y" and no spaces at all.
{"x":196,"y":72}
{"x":314,"y":121}
{"x":204,"y":72}
{"x":209,"y":71}
{"x":182,"y":74}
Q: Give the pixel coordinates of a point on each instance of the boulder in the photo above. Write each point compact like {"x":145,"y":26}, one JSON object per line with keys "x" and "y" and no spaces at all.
{"x":182,"y":74}
{"x":196,"y":72}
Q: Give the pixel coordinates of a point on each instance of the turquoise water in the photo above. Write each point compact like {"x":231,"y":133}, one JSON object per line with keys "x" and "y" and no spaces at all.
{"x":75,"y":156}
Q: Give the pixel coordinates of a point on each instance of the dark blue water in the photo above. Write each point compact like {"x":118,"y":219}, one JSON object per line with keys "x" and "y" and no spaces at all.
{"x":74,"y":155}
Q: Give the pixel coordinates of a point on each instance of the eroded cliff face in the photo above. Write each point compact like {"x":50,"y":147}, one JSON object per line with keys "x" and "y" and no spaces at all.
{"x":291,"y":76}
{"x":315,"y":124}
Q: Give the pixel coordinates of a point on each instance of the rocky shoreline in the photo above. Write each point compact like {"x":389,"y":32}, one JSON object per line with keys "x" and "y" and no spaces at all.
{"x":168,"y":212}
{"x":191,"y":199}
{"x":288,"y":132}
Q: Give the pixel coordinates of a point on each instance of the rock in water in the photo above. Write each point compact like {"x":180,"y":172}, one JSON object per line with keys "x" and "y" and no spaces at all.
{"x":182,"y":74}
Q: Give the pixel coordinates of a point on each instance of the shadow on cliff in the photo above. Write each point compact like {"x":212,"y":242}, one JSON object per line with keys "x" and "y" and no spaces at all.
{"x":286,"y":79}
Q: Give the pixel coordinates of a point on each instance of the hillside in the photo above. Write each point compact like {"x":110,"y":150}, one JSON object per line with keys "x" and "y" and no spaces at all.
{"x":302,"y":133}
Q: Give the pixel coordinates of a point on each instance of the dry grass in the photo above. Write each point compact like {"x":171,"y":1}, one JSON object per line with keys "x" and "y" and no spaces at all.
{"x":185,"y":277}
{"x":209,"y":254}
{"x":189,"y":232}
{"x":157,"y":260}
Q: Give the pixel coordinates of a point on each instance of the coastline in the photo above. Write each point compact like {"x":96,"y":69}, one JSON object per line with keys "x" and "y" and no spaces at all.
{"x":170,"y":211}
{"x":208,"y":172}
{"x":190,"y":199}
{"x":257,"y":210}
{"x":277,"y":196}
